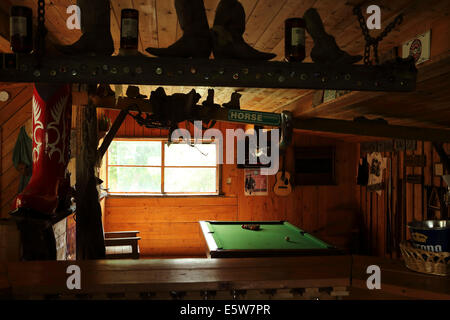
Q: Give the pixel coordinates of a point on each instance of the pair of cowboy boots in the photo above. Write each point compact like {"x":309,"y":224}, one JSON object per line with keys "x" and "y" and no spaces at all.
{"x":226,"y":40}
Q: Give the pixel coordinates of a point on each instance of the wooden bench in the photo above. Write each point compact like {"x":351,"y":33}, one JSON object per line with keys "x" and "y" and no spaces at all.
{"x":122,"y":245}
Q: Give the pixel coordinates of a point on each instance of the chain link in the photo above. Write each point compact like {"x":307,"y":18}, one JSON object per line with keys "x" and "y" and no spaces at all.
{"x":41,"y":32}
{"x":371,"y":41}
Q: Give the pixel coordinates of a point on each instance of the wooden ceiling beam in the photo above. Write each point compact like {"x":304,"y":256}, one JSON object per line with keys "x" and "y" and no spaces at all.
{"x":371,"y":129}
{"x":214,"y":73}
{"x":361,"y":103}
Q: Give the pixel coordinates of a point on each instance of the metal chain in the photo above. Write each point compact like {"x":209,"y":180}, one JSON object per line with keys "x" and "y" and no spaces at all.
{"x":41,"y":32}
{"x":371,"y":41}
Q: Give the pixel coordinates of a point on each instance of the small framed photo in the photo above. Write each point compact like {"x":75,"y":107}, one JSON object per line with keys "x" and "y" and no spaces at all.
{"x":329,"y":95}
{"x":438,"y":169}
{"x":256,"y":184}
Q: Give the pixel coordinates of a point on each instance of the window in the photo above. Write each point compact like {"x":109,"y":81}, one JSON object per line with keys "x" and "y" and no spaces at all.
{"x":154,"y":167}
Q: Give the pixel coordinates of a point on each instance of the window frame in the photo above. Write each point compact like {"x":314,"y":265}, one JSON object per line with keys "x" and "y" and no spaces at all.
{"x":162,"y":193}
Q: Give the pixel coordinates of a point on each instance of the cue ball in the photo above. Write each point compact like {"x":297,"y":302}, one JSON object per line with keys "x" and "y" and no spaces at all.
{"x":286,"y":238}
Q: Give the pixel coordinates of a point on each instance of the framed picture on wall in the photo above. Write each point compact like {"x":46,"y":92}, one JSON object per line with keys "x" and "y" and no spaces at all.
{"x":438,"y":169}
{"x":315,"y":166}
{"x":255,"y":184}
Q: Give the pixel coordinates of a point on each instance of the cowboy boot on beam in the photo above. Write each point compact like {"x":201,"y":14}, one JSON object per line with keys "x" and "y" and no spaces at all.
{"x":196,"y":39}
{"x":96,"y":28}
{"x":325,"y":49}
{"x":227,"y":34}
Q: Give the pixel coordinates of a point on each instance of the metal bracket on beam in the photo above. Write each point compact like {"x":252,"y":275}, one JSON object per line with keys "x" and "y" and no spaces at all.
{"x":399,"y":76}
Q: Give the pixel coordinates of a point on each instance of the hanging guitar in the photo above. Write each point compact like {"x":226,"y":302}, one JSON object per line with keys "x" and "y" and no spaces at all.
{"x":283,"y":185}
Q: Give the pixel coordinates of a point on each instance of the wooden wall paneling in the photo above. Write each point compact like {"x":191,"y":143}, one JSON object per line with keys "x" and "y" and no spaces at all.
{"x":418,"y":194}
{"x":307,"y":207}
{"x":428,"y":175}
{"x":8,"y":195}
{"x":369,"y":218}
{"x":398,"y":203}
{"x":14,"y":92}
{"x":408,"y":201}
{"x":374,"y":216}
{"x":21,"y":100}
{"x":148,"y":29}
{"x":393,"y":203}
{"x":13,"y":115}
{"x":130,"y":125}
{"x":409,"y":196}
{"x":8,"y":177}
{"x":440,"y":37}
{"x":165,"y":214}
{"x":1,"y":149}
{"x":138,"y":130}
{"x":9,"y":140}
{"x":437,"y":181}
{"x":358,"y":191}
{"x":364,"y":232}
{"x":404,"y":198}
{"x":436,"y":159}
{"x":168,"y":226}
{"x":316,"y":213}
{"x":381,"y":213}
{"x":295,"y":214}
{"x":17,"y":120}
{"x":263,"y":14}
{"x":388,"y":207}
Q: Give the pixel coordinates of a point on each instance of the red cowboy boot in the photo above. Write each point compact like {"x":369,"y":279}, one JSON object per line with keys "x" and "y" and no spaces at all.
{"x":52,"y":112}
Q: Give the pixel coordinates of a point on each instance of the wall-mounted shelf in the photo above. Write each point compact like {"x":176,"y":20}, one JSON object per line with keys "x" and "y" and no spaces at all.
{"x":399,"y":77}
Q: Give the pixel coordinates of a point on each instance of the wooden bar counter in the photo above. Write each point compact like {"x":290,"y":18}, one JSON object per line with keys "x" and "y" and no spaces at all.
{"x":247,"y":278}
{"x":397,"y":281}
{"x":324,"y":277}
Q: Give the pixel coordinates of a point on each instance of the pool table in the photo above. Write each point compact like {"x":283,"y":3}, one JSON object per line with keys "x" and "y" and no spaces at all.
{"x":227,"y":239}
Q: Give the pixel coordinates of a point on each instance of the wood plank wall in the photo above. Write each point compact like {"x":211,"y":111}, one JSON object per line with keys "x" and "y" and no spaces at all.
{"x":408,"y":203}
{"x":14,"y":113}
{"x":168,"y":226}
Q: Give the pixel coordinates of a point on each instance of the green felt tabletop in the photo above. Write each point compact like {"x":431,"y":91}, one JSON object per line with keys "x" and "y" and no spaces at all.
{"x":270,"y":236}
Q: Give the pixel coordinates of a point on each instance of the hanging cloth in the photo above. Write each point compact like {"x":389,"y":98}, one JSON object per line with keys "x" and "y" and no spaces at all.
{"x":22,"y":157}
{"x":363,"y":172}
